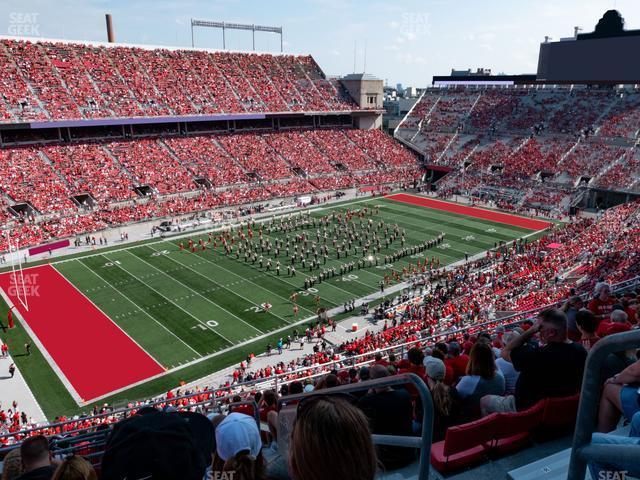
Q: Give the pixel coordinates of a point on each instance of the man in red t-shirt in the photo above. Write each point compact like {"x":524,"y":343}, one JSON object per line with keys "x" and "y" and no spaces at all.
{"x":603,"y":302}
{"x":457,"y":361}
{"x":617,"y":323}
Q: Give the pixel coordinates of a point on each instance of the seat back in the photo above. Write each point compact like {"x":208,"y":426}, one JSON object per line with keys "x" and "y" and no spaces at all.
{"x":560,"y":411}
{"x":469,"y":435}
{"x":509,"y":424}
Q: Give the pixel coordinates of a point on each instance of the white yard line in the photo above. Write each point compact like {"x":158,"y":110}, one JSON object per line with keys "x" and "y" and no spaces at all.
{"x":191,"y":289}
{"x":171,"y":301}
{"x":139,"y":307}
{"x":248,"y":280}
{"x":107,"y":316}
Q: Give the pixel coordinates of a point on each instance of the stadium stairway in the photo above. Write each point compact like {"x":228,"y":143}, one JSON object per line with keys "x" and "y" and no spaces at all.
{"x":553,"y":467}
{"x":524,"y":463}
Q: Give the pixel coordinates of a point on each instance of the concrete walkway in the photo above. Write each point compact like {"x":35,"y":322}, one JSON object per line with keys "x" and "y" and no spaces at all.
{"x":142,"y":230}
{"x":344,"y":332}
{"x":16,"y":389}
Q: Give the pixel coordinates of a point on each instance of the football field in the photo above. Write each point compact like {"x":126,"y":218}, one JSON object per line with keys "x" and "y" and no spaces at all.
{"x":130,"y":322}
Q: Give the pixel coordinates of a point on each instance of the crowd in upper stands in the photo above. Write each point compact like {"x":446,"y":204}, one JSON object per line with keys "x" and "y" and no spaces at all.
{"x":56,"y":81}
{"x":525,"y":138}
{"x":236,"y":168}
{"x":517,"y":148}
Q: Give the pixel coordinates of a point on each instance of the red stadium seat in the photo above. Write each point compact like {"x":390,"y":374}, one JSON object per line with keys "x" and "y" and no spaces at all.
{"x":512,"y":430}
{"x":464,"y":445}
{"x":559,"y":413}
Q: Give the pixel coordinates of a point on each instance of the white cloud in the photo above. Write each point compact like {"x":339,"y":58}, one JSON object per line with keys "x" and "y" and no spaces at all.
{"x":411,"y":58}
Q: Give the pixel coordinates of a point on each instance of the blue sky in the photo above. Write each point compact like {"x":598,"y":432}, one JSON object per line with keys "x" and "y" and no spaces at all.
{"x":406,"y":41}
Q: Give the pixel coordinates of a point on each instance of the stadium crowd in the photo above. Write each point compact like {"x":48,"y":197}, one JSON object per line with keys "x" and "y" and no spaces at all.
{"x":473,"y":363}
{"x":445,"y":327}
{"x":530,"y":135}
{"x":234,"y":169}
{"x":131,"y":82}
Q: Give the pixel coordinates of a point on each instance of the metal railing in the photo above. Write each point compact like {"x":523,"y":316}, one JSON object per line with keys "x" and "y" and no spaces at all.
{"x":583,"y":451}
{"x":423,"y":442}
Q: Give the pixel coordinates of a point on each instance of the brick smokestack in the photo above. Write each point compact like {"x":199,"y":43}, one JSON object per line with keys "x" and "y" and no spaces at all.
{"x":110,"y":36}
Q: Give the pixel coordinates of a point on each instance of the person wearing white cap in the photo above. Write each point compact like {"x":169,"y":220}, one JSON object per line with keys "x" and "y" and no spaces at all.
{"x":238,"y":448}
{"x":446,"y":401}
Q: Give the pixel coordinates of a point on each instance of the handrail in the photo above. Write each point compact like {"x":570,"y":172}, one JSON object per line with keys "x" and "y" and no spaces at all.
{"x":70,"y":434}
{"x":423,"y":442}
{"x":582,"y":449}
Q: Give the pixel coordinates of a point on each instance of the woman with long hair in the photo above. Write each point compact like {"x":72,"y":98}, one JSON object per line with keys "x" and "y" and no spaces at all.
{"x":483,"y":378}
{"x":331,"y":440}
{"x":446,"y":402}
{"x":75,"y":468}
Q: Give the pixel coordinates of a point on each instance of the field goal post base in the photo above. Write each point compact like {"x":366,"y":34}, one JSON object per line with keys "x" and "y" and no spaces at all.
{"x":17,"y":274}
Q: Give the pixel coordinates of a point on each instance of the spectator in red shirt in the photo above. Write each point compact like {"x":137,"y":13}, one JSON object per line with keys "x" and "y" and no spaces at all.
{"x":630,"y":307}
{"x":617,"y":323}
{"x":246,"y":409}
{"x":268,"y":404}
{"x":380,"y":360}
{"x":602,"y":304}
{"x":457,"y":360}
{"x":449,"y":373}
{"x":587,"y":324}
{"x":415,"y":358}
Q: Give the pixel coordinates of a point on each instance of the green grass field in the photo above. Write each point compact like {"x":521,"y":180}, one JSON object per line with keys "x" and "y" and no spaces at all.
{"x":183,"y":307}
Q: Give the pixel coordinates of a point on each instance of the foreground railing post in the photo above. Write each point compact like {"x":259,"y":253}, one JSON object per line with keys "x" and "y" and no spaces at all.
{"x":589,"y":397}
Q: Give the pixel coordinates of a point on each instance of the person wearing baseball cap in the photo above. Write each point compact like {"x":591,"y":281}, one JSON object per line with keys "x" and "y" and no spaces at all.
{"x":158,"y":445}
{"x":446,"y":402}
{"x":239,"y":447}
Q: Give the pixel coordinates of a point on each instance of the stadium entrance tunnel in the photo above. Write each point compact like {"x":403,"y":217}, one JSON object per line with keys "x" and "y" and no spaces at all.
{"x":23,"y":209}
{"x":299,"y":172}
{"x":583,"y":181}
{"x":435,"y":173}
{"x":203,"y":182}
{"x":84,"y":200}
{"x":143,"y":190}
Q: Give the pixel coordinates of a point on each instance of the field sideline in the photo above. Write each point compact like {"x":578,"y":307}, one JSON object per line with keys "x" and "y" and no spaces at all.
{"x":189,"y":314}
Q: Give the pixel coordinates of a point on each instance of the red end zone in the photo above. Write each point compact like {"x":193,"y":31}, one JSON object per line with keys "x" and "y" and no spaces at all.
{"x":475,"y":212}
{"x":92,"y":352}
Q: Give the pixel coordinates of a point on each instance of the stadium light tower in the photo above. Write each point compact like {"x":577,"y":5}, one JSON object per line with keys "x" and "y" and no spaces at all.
{"x":234,"y":26}
{"x":576,"y":30}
